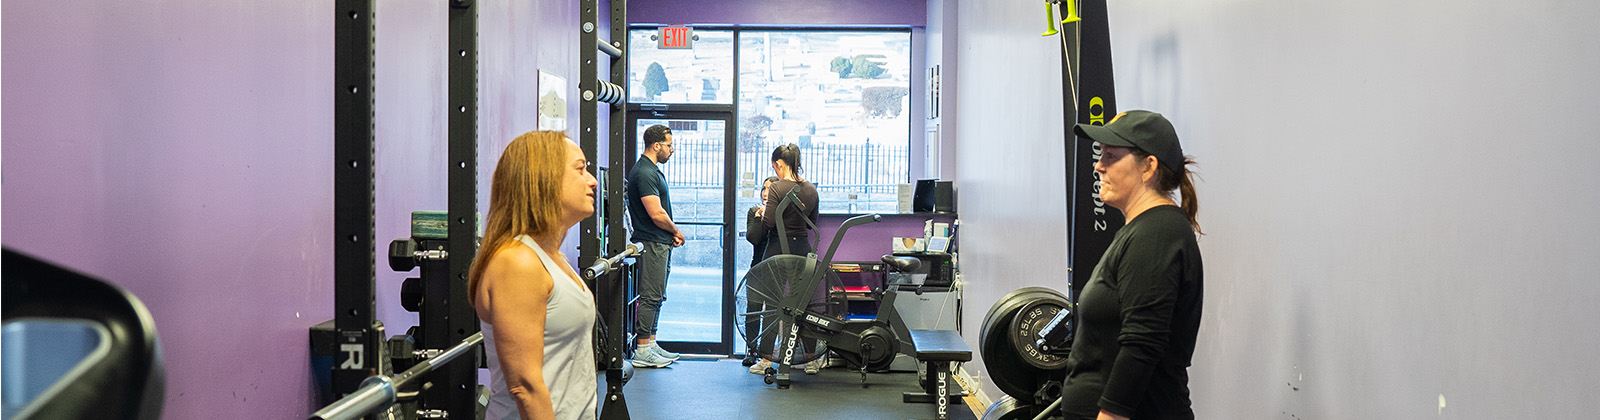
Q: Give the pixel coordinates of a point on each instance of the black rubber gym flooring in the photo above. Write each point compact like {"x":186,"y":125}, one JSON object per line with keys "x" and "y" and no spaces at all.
{"x":725,"y":389}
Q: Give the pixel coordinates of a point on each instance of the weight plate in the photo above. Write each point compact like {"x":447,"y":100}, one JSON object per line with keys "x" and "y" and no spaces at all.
{"x":1008,"y":408}
{"x":1001,"y":358}
{"x":1024,"y":332}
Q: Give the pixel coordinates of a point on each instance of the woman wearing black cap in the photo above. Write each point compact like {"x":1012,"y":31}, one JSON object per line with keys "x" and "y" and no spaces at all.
{"x":1138,"y":316}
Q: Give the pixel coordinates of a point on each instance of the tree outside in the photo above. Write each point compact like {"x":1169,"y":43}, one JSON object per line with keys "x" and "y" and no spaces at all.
{"x":883,"y":101}
{"x":840,"y":65}
{"x":865,"y":66}
{"x":753,"y":132}
{"x":655,"y":81}
{"x":862,"y":66}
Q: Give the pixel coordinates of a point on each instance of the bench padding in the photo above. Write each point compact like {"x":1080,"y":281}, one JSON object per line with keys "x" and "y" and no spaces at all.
{"x":940,"y":346}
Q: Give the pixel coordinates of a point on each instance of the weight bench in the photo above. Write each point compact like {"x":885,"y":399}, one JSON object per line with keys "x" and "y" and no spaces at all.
{"x":936,"y":349}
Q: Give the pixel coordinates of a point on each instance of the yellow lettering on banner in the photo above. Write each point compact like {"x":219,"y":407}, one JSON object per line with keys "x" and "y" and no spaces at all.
{"x":1097,"y":116}
{"x":1097,"y":111}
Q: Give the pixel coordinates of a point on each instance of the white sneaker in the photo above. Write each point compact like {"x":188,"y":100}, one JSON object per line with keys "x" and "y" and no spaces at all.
{"x":760,"y":368}
{"x":814,"y":366}
{"x":653,"y":347}
{"x":644,"y":358}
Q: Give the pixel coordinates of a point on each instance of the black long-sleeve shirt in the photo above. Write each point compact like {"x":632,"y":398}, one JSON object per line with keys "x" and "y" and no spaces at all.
{"x":794,"y":218}
{"x":1137,"y":322}
{"x":756,"y":233}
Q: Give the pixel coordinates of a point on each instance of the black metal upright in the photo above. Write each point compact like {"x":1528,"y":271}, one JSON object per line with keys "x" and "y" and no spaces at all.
{"x":616,"y":199}
{"x":589,"y":246}
{"x":589,"y":84}
{"x":458,"y":395}
{"x":1086,"y":54}
{"x":610,"y":290}
{"x":355,"y":270}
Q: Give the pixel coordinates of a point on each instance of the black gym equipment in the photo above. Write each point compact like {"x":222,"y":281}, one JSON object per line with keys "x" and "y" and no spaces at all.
{"x":1089,"y":97}
{"x":447,"y":325}
{"x":1024,"y":352}
{"x":380,"y":392}
{"x":604,"y":232}
{"x":797,"y":309}
{"x":610,"y":278}
{"x":353,"y":339}
{"x":938,"y":349}
{"x":1016,"y":365}
{"x":77,"y":347}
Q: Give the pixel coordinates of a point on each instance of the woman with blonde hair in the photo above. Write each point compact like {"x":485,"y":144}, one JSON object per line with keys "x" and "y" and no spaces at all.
{"x":537,"y":315}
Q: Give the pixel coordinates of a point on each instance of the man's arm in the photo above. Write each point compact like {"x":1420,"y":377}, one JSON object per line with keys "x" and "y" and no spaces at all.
{"x":658,"y":215}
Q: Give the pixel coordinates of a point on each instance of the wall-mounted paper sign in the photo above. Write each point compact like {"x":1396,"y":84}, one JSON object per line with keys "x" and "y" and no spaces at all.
{"x":552,"y":102}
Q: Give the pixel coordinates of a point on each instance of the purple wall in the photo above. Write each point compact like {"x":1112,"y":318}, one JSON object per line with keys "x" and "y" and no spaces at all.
{"x":780,"y":12}
{"x":871,"y":241}
{"x":181,"y":149}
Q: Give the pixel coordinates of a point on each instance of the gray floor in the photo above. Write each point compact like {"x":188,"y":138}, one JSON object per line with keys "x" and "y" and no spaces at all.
{"x":724,"y":389}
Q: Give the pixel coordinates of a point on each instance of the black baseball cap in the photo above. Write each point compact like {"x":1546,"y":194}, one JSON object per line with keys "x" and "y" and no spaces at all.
{"x":1143,"y":130}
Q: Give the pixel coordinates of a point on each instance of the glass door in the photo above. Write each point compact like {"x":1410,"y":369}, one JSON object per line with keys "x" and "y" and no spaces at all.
{"x":694,"y":317}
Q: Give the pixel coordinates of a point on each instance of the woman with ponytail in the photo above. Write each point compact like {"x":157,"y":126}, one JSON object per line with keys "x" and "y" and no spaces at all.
{"x":1138,"y":317}
{"x":786,"y":163}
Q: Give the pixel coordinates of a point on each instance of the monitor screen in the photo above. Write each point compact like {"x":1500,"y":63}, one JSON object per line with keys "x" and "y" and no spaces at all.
{"x":922,"y":198}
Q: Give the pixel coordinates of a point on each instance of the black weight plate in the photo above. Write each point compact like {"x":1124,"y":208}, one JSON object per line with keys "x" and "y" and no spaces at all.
{"x":1005,"y":365}
{"x":1007,"y":303}
{"x":1024,"y":332}
{"x":1001,"y":303}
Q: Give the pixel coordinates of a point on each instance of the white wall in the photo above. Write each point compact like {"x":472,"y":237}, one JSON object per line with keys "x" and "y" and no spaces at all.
{"x":1399,"y":197}
{"x":1009,"y":160}
{"x":942,"y":31}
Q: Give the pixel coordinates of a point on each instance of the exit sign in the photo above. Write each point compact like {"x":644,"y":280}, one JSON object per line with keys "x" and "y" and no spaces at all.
{"x":675,"y":37}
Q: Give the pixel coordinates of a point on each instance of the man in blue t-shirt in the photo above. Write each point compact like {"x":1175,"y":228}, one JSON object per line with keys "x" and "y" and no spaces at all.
{"x":650,"y":208}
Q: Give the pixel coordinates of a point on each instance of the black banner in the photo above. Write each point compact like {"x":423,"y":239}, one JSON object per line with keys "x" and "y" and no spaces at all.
{"x":1090,"y":97}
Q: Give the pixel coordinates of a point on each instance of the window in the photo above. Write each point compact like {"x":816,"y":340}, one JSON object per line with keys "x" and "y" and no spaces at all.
{"x":843,"y":97}
{"x":699,"y":75}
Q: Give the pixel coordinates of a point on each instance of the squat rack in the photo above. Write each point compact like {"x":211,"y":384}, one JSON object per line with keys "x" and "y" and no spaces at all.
{"x":612,"y":290}
{"x":449,"y":327}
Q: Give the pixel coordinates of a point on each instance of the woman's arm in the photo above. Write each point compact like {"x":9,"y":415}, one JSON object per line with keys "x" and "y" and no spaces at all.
{"x":769,"y":214}
{"x":813,"y":203}
{"x":513,"y":298}
{"x":757,"y":230}
{"x":1147,"y":279}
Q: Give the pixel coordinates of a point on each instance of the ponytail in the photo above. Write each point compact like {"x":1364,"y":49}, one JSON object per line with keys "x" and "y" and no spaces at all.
{"x":1167,"y":180}
{"x":1184,"y":183}
{"x":790,"y":155}
{"x":1190,"y":204}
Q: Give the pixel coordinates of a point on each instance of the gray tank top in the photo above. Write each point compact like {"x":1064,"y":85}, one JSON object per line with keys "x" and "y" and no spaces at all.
{"x":569,"y":369}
